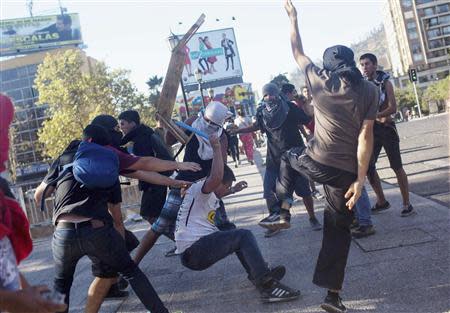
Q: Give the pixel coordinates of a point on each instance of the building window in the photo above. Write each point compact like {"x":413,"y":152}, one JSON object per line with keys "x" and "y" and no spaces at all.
{"x":433,"y":44}
{"x":431,"y":22}
{"x":428,"y":11}
{"x":417,"y":57}
{"x":424,"y":1}
{"x":446,"y":30}
{"x":442,"y":75}
{"x":436,"y":54}
{"x":406,"y":3}
{"x":412,"y":34}
{"x":433,"y":33}
{"x":443,"y":8}
{"x":411,"y":25}
{"x":444,"y":19}
{"x":447,"y":41}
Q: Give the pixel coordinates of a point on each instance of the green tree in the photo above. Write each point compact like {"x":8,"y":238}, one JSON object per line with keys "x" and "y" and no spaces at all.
{"x":406,"y":98}
{"x":76,"y":91}
{"x":438,"y":91}
{"x":154,"y":84}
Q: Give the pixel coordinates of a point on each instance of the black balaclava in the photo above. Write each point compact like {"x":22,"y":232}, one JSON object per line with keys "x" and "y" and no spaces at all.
{"x":276,"y":110}
{"x":341,"y":60}
{"x":109,"y":123}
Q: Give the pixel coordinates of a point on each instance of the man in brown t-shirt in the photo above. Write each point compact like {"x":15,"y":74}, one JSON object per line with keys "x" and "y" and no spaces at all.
{"x":345,"y":107}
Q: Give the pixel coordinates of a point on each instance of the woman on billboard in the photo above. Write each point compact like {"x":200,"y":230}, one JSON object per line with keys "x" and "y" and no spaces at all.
{"x":227,"y":46}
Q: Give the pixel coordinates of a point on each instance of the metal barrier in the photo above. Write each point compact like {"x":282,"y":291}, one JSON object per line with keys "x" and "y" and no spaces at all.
{"x":131,"y":196}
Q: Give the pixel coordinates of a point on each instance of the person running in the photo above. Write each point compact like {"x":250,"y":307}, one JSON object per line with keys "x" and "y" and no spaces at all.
{"x":141,"y":140}
{"x":280,"y":120}
{"x":201,"y":244}
{"x":386,"y":136}
{"x":199,"y":149}
{"x":345,"y":107}
{"x":233,"y":141}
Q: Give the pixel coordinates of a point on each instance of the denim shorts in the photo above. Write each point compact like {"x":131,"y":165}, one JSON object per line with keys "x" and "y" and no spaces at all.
{"x":165,"y":224}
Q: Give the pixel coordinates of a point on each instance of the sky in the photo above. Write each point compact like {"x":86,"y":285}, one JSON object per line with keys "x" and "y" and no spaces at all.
{"x":133,"y":34}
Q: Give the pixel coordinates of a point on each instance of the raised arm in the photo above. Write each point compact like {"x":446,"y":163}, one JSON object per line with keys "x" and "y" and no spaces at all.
{"x":296,"y":42}
{"x":365,"y":146}
{"x":392,"y":104}
{"x":215,"y":176}
{"x":245,"y":130}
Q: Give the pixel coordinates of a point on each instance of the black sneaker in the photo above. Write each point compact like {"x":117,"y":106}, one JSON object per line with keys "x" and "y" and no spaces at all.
{"x":171,"y":252}
{"x":363,"y":231}
{"x":379,"y":208}
{"x":333,"y":304}
{"x":285,"y":219}
{"x":315,"y":225}
{"x":317,"y":195}
{"x":271,"y":232}
{"x":407,"y":211}
{"x":115,"y":293}
{"x":122,"y":283}
{"x":277,"y":292}
{"x":268,"y":221}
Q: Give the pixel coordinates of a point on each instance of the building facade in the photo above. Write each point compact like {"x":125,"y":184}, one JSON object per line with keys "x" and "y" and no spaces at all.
{"x":17,"y":81}
{"x":418,"y":35}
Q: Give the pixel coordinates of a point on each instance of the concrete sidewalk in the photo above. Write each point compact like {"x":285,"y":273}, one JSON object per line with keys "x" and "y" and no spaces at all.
{"x":404,"y":267}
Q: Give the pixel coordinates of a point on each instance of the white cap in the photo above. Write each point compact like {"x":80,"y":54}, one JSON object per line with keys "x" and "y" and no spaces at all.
{"x":217,"y":112}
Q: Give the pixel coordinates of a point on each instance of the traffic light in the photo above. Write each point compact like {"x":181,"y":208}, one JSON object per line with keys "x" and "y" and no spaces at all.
{"x":413,"y":75}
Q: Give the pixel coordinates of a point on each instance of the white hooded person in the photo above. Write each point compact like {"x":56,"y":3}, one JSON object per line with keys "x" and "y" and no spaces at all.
{"x":199,"y":149}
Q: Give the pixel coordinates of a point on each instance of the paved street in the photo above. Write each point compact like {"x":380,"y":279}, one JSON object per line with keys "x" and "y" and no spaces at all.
{"x":402,"y":268}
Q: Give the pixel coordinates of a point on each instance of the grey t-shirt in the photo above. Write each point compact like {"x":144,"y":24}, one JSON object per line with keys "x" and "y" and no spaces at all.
{"x":339,"y":111}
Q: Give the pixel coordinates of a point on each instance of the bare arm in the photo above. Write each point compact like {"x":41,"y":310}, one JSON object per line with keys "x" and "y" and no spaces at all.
{"x":39,"y":193}
{"x":116,"y":213}
{"x":296,"y":41}
{"x":215,"y":177}
{"x":392,"y":104}
{"x":157,"y":165}
{"x":157,"y":179}
{"x":236,"y":188}
{"x":245,"y":130}
{"x":224,"y":146}
{"x":365,"y":146}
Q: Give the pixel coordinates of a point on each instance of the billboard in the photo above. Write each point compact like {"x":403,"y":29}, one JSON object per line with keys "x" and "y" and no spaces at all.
{"x":24,"y":35}
{"x":215,"y":53}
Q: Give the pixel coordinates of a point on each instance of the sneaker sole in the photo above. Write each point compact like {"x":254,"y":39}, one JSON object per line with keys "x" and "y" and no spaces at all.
{"x":274,"y":300}
{"x":274,"y":233}
{"x":331,"y":309}
{"x":408,"y":214}
{"x":362,"y":236}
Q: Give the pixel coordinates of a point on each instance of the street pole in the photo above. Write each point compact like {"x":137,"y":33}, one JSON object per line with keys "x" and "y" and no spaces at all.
{"x":184,"y":97}
{"x":417,"y":99}
{"x":201,"y":94}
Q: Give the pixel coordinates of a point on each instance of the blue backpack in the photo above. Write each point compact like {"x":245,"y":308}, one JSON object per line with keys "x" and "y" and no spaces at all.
{"x":92,"y":165}
{"x":95,"y":166}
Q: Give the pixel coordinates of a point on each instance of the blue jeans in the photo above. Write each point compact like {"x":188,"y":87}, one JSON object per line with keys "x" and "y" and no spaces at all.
{"x":363,"y":209}
{"x":214,"y":247}
{"x":106,"y":249}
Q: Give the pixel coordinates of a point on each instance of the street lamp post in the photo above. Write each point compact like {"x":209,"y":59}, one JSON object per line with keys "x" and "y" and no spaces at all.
{"x":173,"y":42}
{"x":211,"y":94}
{"x":199,"y":77}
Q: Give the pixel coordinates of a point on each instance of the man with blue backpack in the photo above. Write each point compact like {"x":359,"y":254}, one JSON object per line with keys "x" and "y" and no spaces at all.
{"x":87,"y":215}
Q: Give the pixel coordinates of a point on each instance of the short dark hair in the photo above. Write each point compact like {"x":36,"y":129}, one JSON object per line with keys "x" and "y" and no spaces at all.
{"x":130,"y":116}
{"x":228,"y":175}
{"x":98,"y":134}
{"x":287,"y":88}
{"x":372,"y":58}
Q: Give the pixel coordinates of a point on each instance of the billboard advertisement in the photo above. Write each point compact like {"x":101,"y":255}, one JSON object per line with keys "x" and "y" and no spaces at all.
{"x":235,"y":97}
{"x":24,"y":35}
{"x":215,"y":53}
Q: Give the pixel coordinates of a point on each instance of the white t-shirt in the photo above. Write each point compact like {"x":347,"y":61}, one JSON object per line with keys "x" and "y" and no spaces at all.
{"x":195,"y":217}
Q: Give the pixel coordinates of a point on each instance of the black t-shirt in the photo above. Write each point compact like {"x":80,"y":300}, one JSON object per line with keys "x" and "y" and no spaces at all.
{"x":71,"y":197}
{"x":284,"y":138}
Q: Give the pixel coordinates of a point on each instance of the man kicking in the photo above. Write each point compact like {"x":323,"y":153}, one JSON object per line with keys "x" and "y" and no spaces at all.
{"x":201,"y":243}
{"x":345,"y":107}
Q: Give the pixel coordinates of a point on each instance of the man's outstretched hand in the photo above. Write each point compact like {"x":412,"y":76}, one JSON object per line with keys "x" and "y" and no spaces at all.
{"x":240,"y":186}
{"x":353,"y":193}
{"x":290,"y":9}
